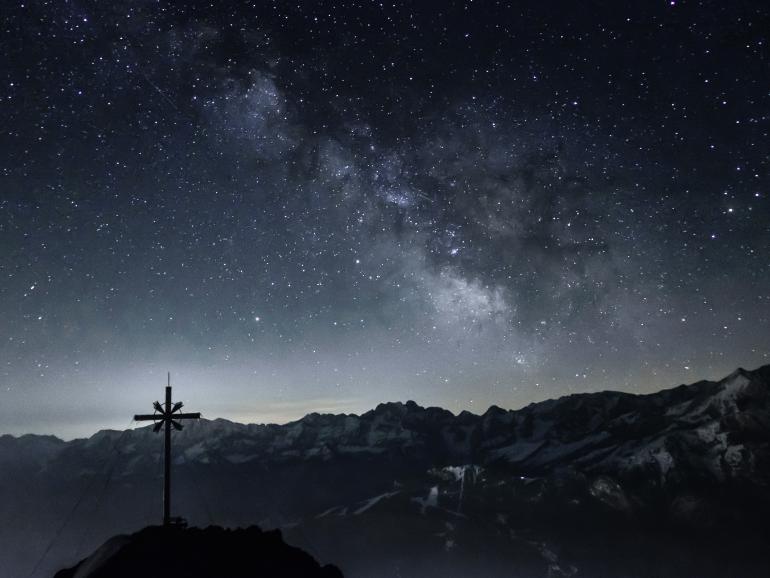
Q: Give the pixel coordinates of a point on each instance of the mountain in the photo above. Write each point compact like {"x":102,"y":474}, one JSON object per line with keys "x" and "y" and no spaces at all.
{"x":673,"y":483}
{"x":159,"y":552}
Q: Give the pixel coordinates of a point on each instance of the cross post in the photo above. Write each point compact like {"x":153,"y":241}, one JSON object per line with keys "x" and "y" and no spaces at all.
{"x":166,"y":416}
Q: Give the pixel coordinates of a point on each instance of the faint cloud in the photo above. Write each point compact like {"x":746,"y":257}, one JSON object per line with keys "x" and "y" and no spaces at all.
{"x":285,"y":411}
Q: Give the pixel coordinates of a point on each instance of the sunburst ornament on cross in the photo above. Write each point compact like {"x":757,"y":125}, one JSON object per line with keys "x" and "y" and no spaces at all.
{"x":167,"y":415}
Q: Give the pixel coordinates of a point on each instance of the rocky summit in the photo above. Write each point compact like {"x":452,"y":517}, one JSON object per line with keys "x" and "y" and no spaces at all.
{"x":158,"y":552}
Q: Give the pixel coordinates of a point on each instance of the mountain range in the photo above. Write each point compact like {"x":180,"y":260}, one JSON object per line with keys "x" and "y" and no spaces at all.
{"x":673,"y":483}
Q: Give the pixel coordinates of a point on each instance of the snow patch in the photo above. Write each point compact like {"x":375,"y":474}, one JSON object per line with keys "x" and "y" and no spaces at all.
{"x":372,"y":501}
{"x":430,"y":502}
{"x":732,"y":387}
{"x":665,"y":461}
{"x":194,"y":451}
{"x":708,"y":432}
{"x":337,"y":510}
{"x":459,"y":472}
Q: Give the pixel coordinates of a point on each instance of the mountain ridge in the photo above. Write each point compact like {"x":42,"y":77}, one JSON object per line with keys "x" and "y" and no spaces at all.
{"x":685,"y":469}
{"x":384,"y":406}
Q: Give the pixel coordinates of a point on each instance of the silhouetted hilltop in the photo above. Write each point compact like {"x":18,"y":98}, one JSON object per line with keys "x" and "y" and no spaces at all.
{"x":213,"y":552}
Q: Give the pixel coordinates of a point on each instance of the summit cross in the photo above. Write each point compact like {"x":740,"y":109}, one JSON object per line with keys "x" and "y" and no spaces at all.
{"x":167,"y":416}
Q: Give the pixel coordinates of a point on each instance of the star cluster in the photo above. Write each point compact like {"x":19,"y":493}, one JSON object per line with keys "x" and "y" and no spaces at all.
{"x":319,"y":206}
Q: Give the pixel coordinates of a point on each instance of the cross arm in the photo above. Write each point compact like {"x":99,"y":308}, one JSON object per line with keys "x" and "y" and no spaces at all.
{"x":186,"y":416}
{"x":147,"y":417}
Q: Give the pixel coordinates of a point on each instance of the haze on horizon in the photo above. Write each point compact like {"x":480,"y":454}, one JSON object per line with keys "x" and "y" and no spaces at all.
{"x":280,"y":412}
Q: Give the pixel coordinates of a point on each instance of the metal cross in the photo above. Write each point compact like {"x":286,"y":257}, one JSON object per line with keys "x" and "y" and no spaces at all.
{"x":166,"y":415}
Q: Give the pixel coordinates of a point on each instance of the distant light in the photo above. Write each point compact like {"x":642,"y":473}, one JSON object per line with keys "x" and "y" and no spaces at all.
{"x":257,"y":319}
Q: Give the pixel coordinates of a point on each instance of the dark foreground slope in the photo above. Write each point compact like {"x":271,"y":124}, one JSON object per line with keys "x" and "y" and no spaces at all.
{"x":158,"y":552}
{"x":671,"y":484}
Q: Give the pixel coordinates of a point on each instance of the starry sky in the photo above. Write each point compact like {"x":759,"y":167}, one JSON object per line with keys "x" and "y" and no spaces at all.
{"x":319,"y":206}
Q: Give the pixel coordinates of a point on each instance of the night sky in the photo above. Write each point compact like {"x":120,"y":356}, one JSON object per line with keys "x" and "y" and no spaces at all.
{"x":320,"y":206}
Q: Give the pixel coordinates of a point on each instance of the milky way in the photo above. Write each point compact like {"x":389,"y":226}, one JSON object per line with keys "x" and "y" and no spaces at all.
{"x":307,"y":206}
